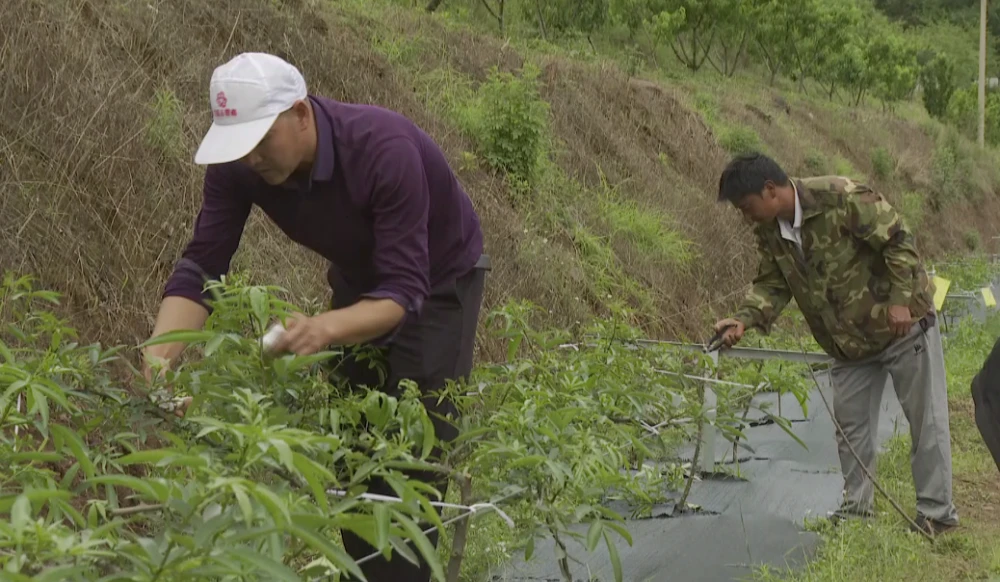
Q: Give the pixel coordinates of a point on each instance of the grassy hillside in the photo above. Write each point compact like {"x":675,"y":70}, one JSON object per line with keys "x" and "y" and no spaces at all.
{"x":102,"y":103}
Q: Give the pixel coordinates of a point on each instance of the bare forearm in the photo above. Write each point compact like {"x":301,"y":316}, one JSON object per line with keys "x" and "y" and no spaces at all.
{"x":175,"y":313}
{"x":364,"y":321}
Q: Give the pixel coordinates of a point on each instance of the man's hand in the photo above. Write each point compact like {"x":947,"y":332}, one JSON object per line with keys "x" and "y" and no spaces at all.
{"x":734,"y":334}
{"x":306,"y":335}
{"x":900,"y":320}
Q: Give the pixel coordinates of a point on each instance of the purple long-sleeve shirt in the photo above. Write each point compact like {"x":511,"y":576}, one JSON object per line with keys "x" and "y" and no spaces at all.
{"x":381,"y":204}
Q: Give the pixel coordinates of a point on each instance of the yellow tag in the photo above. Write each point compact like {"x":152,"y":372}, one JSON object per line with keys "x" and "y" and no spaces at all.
{"x":988,"y":297}
{"x":941,"y":289}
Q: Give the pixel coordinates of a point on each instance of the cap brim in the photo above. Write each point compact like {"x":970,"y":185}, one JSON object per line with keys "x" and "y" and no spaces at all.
{"x":227,"y":143}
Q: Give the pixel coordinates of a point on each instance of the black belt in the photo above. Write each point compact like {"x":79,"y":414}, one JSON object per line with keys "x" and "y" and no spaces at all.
{"x":928,"y":321}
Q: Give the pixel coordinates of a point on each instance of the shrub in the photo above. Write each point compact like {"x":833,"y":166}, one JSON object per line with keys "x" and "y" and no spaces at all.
{"x":947,"y":184}
{"x":739,"y":139}
{"x":508,"y":119}
{"x":882,"y":163}
{"x":963,"y":113}
{"x":816,"y":162}
{"x":166,"y":126}
{"x":843,"y":167}
{"x":707,"y":106}
{"x":937,"y":78}
{"x":911,"y":206}
{"x":972,"y":240}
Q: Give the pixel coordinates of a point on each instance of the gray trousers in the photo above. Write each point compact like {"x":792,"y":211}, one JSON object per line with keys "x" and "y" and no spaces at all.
{"x":916,"y":365}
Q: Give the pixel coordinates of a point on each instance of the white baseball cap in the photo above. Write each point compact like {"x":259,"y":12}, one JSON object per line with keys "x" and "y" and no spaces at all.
{"x":246,"y":95}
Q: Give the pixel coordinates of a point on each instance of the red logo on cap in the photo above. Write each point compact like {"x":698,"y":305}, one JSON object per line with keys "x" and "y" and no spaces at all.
{"x":221,"y":99}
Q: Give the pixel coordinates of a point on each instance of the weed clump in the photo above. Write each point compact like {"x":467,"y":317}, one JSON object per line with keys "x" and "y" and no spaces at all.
{"x":816,"y":162}
{"x":509,"y":121}
{"x":165,"y":131}
{"x":882,"y":163}
{"x":945,"y":170}
{"x":739,"y":139}
{"x":972,"y":240}
{"x":911,"y":207}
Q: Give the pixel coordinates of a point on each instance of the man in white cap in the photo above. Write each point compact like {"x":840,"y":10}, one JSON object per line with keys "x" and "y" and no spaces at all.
{"x":372,"y":193}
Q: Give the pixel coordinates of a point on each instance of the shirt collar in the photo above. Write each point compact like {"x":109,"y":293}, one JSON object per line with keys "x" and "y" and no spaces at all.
{"x":798,"y":208}
{"x":325,"y":158}
{"x":324,"y":162}
{"x":804,"y":196}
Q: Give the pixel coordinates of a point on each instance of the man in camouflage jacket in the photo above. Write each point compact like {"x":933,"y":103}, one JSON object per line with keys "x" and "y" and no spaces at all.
{"x":851,"y":264}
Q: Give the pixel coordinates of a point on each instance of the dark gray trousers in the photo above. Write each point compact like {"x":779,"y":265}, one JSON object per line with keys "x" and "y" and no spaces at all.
{"x":431,"y":349}
{"x":986,"y":398}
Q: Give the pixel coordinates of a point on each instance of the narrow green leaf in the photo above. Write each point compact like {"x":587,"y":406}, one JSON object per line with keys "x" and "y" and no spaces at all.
{"x":20,"y":512}
{"x":311,"y":471}
{"x":616,"y":562}
{"x":207,"y":431}
{"x":335,"y":554}
{"x":148,"y":456}
{"x":262,"y":564}
{"x":275,"y":506}
{"x":258,"y":304}
{"x":70,"y":476}
{"x":420,"y":540}
{"x":34,"y":496}
{"x":36,"y":456}
{"x":530,"y":550}
{"x":404,"y":549}
{"x":54,"y":392}
{"x":530,"y":460}
{"x":276,"y":546}
{"x":787,"y":427}
{"x":69,"y":510}
{"x":66,"y":437}
{"x":382,"y":517}
{"x":41,"y":406}
{"x":61,"y":573}
{"x":152,"y":490}
{"x":214,"y":344}
{"x":594,"y":534}
{"x":620,"y":530}
{"x":429,"y":437}
{"x":182,"y":335}
{"x":244,"y":502}
{"x":284,"y":453}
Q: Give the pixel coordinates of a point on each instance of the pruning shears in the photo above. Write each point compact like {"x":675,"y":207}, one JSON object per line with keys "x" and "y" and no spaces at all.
{"x":716,"y":342}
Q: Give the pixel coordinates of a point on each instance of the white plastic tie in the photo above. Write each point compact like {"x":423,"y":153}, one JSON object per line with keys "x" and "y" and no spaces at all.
{"x":469,"y":509}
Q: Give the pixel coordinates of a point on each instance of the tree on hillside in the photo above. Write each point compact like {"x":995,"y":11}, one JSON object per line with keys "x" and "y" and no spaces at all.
{"x":823,"y":29}
{"x":737,"y":22}
{"x":635,"y":14}
{"x":563,"y":16}
{"x":690,"y":28}
{"x":774,"y":34}
{"x":937,"y":77}
{"x":496,"y":8}
{"x":963,"y":113}
{"x":892,"y":65}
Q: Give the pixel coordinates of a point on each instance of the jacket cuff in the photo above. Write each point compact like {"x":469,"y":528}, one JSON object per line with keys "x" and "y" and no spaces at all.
{"x":900,"y":296}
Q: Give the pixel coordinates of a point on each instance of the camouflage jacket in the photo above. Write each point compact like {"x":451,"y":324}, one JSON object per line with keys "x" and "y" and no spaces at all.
{"x":857,"y":259}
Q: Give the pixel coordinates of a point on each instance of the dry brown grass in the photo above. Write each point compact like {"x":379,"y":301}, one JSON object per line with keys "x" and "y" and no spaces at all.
{"x":100,"y":211}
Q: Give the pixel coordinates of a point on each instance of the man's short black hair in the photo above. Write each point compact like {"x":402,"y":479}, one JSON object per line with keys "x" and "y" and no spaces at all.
{"x":746,"y":175}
